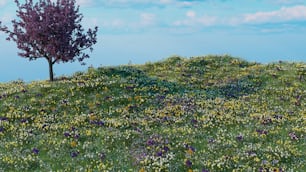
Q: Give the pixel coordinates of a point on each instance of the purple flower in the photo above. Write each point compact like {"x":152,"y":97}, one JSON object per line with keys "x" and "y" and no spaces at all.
{"x":211,"y":140}
{"x":24,"y":121}
{"x":67,"y":134}
{"x":239,"y":138}
{"x":2,"y":129}
{"x":159,"y":153}
{"x":188,"y":163}
{"x":76,"y":136}
{"x":35,"y":151}
{"x":205,"y":170}
{"x":98,"y":123}
{"x":74,"y":154}
{"x":293,"y":136}
{"x":194,"y":121}
{"x":150,"y":142}
{"x":3,"y":118}
{"x":102,"y":156}
{"x":261,"y":132}
{"x":190,"y":147}
{"x":166,"y":148}
{"x":44,"y":126}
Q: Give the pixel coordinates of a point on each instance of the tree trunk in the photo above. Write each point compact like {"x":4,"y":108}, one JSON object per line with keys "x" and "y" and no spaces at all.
{"x":51,"y":69}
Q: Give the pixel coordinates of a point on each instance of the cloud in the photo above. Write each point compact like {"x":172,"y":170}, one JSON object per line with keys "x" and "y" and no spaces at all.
{"x":6,"y":19}
{"x":84,"y":2}
{"x":193,"y":20}
{"x":147,"y":19}
{"x":3,"y":3}
{"x":146,"y":3}
{"x":285,"y":14}
{"x":191,"y":14}
{"x":289,"y":2}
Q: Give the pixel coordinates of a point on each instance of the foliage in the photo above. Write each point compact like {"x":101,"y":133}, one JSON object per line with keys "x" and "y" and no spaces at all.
{"x":50,"y":30}
{"x":213,"y":113}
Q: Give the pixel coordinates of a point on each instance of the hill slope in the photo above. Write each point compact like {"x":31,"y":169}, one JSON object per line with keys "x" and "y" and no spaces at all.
{"x":213,"y":113}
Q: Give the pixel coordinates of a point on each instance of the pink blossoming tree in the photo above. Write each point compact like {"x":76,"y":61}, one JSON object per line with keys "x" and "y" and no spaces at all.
{"x":52,"y":30}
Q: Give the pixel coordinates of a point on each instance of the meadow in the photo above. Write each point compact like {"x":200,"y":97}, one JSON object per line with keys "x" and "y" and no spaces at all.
{"x":200,"y":114}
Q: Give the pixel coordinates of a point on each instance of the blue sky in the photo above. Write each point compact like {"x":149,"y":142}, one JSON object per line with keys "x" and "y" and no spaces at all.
{"x":139,"y":31}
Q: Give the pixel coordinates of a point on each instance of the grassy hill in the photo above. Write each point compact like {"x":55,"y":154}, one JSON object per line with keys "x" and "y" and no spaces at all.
{"x":213,"y":113}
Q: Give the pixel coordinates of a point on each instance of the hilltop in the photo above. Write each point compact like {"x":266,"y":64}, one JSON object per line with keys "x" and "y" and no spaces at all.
{"x":212,"y":113}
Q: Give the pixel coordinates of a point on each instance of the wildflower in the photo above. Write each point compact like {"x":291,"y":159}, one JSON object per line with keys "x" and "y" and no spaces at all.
{"x":3,"y":118}
{"x":275,"y":161}
{"x":74,"y":154}
{"x":2,"y":129}
{"x":67,"y":134}
{"x":102,"y":156}
{"x":142,"y":170}
{"x":150,"y":142}
{"x":262,"y":132}
{"x":24,"y":120}
{"x":166,"y":148}
{"x":159,"y":153}
{"x":88,"y":132}
{"x":205,"y":170}
{"x":189,"y":151}
{"x":188,"y":163}
{"x":211,"y":140}
{"x":73,"y":144}
{"x":76,"y":136}
{"x":194,"y":122}
{"x":38,"y":95}
{"x":97,"y":122}
{"x":35,"y":151}
{"x":239,"y":138}
{"x":293,"y":136}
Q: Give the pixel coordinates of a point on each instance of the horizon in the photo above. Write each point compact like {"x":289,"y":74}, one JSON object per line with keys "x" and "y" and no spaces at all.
{"x":137,"y":32}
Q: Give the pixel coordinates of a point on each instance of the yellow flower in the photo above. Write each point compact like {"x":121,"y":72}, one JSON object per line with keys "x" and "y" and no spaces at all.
{"x":73,"y":144}
{"x":88,"y":132}
{"x":190,"y":170}
{"x":92,"y":117}
{"x":142,"y":170}
{"x":189,"y":151}
{"x":256,"y":159}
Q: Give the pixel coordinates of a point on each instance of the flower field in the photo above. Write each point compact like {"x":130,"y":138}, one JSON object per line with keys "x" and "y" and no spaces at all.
{"x":212,"y":113}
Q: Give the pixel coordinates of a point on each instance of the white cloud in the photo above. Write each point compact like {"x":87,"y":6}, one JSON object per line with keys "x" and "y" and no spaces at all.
{"x":191,"y":14}
{"x":6,"y":19}
{"x":147,"y":19}
{"x":114,"y":24}
{"x":3,"y":2}
{"x":145,"y":3}
{"x":165,"y":1}
{"x":84,"y":2}
{"x":282,"y":15}
{"x":288,"y":2}
{"x":193,"y":20}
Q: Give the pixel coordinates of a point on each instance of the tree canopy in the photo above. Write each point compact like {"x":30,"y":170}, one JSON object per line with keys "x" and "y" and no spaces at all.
{"x":51,"y":30}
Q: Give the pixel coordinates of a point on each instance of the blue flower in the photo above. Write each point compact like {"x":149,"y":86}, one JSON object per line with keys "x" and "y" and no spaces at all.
{"x":74,"y":154}
{"x":2,"y":129}
{"x":35,"y":151}
{"x":188,"y":163}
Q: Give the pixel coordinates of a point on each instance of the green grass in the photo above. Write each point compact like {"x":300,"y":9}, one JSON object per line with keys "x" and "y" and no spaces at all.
{"x":214,"y":113}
